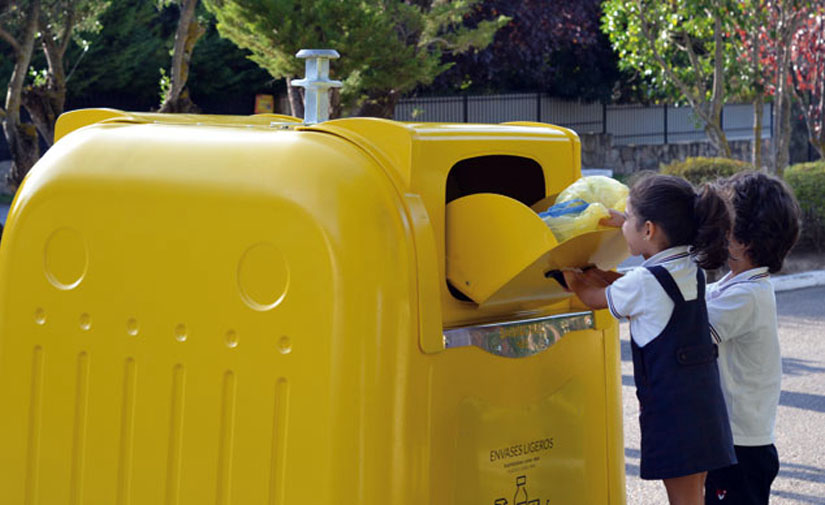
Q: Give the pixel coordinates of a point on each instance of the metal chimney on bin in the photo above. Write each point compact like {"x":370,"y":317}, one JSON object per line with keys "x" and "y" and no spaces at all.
{"x":317,"y":83}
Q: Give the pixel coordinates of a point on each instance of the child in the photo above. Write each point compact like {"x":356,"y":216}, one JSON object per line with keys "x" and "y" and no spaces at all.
{"x":684,"y":423}
{"x":742,"y":314}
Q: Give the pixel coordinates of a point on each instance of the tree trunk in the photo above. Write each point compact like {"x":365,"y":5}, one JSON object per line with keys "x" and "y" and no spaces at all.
{"x":382,"y":105}
{"x":335,"y":106}
{"x":785,"y":31}
{"x":24,"y":149}
{"x":759,"y":89}
{"x":782,"y":141}
{"x":718,"y":139}
{"x":187,"y":35}
{"x":45,"y":103}
{"x":21,"y":138}
{"x":296,"y":98}
{"x":756,"y":146}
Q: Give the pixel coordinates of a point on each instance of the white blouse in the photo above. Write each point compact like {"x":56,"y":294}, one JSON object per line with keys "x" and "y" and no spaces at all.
{"x":638,"y":297}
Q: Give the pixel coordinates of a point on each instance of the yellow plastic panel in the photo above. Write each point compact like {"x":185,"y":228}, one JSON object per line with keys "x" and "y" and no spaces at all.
{"x":190,"y":314}
{"x":499,"y":250}
{"x":76,"y":119}
{"x":541,"y":418}
{"x":490,"y":238}
{"x":209,"y":310}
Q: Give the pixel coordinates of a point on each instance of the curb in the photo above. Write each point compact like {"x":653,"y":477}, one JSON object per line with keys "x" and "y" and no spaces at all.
{"x":802,"y":280}
{"x":789,"y":282}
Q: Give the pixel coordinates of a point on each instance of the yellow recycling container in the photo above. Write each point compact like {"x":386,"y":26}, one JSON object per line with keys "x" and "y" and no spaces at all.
{"x":248,"y":310}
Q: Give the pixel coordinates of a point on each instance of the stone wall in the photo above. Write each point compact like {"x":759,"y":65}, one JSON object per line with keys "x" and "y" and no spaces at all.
{"x":598,"y":151}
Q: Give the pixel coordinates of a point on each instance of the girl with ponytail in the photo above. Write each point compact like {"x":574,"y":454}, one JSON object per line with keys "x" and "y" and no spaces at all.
{"x":684,"y":423}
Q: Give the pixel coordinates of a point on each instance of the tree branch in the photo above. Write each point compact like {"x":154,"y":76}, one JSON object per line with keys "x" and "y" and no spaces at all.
{"x":67,"y":30}
{"x":694,"y":60}
{"x":10,"y":39}
{"x":718,"y":97}
{"x":695,"y":101}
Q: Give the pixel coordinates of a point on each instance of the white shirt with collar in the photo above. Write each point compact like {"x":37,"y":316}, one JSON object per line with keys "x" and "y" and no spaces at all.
{"x":742,"y":314}
{"x":638,"y":297}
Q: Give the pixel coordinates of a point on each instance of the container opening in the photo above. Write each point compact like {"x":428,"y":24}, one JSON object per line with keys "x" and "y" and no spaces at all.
{"x":512,"y":176}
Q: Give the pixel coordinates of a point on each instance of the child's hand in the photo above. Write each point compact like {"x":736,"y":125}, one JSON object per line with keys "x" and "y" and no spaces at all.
{"x":572,"y":278}
{"x":616,"y":219}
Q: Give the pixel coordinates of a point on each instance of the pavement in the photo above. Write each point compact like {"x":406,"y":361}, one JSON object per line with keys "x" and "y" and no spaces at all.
{"x":800,"y":422}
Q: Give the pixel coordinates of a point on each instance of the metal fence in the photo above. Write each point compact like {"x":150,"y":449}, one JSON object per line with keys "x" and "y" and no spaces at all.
{"x":628,"y":124}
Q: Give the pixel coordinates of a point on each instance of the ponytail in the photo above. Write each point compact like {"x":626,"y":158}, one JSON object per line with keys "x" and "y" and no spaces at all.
{"x":699,"y":220}
{"x":710,"y":243}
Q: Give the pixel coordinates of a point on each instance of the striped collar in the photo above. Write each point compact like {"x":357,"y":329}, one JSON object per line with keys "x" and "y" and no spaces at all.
{"x":752,"y":275}
{"x":668,"y":255}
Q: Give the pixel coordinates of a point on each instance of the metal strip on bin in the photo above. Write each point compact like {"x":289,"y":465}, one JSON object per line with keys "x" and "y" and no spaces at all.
{"x":519,"y":339}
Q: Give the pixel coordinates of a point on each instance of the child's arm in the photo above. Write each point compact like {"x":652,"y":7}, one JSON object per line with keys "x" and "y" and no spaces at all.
{"x":605,"y":276}
{"x":590,"y":291}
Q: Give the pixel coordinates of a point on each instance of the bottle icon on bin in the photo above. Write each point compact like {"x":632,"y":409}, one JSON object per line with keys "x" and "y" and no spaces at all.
{"x":521,"y":491}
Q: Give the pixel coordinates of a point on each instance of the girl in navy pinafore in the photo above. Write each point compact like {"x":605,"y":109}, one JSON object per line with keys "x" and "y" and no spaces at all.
{"x":682,"y":415}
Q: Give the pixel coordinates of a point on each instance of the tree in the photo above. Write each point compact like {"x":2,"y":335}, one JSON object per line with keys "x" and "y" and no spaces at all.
{"x":752,"y":76}
{"x":808,"y":65}
{"x":785,"y":17}
{"x":388,"y":46}
{"x":18,"y":27}
{"x":137,"y":39}
{"x":127,"y":53}
{"x":680,"y":47}
{"x":60,"y":23}
{"x":189,"y":31}
{"x":765,"y":32}
{"x":54,"y":24}
{"x":558,"y":50}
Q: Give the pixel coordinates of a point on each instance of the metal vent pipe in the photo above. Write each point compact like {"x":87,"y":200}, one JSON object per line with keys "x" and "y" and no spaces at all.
{"x":316,"y":83}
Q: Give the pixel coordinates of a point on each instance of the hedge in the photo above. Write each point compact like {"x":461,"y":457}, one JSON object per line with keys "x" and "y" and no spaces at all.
{"x":807,"y":180}
{"x":808,"y":183}
{"x":700,"y":170}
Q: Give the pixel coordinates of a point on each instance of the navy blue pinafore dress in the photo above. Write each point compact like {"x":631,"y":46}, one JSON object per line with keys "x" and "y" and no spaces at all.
{"x":684,"y":423}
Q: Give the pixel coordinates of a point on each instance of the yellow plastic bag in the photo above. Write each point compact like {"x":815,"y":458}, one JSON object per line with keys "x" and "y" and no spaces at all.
{"x":581,"y":206}
{"x":570,"y":225}
{"x":597,"y":188}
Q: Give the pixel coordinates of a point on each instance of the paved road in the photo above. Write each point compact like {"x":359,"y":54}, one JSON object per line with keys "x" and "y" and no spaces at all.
{"x":4,"y":211}
{"x":800,"y":423}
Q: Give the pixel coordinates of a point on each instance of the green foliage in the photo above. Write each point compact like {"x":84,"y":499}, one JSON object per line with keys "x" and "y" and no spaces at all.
{"x":220,"y":68}
{"x":121,"y":66}
{"x":808,"y":183}
{"x":386,"y":45}
{"x":165,"y":84}
{"x":681,"y":33}
{"x":124,"y":57}
{"x":700,"y":170}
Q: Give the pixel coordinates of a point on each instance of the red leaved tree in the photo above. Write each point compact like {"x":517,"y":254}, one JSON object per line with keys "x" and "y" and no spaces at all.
{"x":808,"y":57}
{"x":766,"y":31}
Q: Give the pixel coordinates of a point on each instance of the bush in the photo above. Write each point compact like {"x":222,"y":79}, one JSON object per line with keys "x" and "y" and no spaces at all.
{"x":701,"y":170}
{"x":808,"y":183}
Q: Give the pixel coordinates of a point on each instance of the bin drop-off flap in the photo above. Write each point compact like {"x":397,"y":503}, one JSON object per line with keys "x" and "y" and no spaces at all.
{"x":499,"y":251}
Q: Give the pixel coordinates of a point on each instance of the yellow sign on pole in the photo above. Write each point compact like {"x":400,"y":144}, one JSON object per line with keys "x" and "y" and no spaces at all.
{"x":264,"y":104}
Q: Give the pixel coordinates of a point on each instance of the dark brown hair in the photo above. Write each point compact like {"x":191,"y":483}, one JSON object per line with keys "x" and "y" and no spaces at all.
{"x":699,"y":220}
{"x":766,"y":217}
